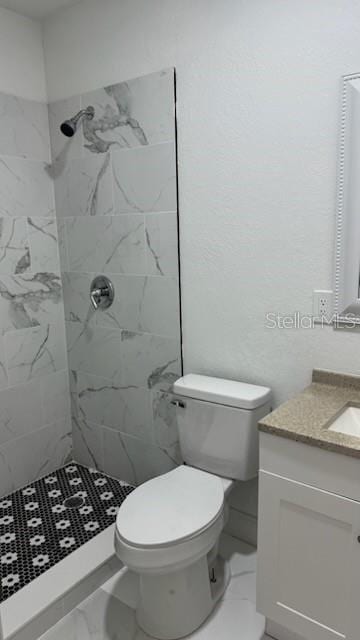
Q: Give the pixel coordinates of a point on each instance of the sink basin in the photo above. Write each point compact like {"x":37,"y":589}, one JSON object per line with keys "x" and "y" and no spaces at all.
{"x":348,"y":422}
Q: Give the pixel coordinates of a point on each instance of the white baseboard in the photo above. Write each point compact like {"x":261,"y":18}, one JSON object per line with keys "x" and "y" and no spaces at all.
{"x":242,"y":526}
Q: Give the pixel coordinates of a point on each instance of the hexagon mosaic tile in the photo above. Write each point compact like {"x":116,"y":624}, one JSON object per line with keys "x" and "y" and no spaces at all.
{"x":37,"y":529}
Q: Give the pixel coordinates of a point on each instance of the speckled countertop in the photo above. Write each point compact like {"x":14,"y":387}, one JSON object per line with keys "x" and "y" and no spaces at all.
{"x":307,"y":416}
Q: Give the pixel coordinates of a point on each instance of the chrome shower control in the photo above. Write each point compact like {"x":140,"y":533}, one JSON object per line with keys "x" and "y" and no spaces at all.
{"x":101,"y":292}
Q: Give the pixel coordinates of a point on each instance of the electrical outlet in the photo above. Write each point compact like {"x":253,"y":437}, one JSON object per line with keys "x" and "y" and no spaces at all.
{"x":322,"y":306}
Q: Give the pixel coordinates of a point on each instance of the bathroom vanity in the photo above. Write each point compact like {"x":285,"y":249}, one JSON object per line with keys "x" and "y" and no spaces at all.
{"x":308,"y":576}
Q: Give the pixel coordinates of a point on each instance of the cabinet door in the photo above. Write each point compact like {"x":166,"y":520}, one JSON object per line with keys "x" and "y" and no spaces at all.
{"x":308,"y":577}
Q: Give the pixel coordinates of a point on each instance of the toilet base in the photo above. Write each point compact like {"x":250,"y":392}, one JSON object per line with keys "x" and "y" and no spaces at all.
{"x":173,"y":605}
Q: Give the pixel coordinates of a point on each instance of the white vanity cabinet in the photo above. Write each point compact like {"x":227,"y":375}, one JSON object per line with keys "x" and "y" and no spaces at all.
{"x":308,"y":575}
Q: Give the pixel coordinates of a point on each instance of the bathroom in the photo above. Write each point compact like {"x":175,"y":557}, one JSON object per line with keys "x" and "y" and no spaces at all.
{"x":198,"y":157}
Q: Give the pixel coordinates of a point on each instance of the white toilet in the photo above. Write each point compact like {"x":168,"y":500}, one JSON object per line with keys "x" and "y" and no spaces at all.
{"x":167,"y":530}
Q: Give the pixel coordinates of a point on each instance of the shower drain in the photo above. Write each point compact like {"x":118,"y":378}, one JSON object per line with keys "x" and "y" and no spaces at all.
{"x":74,"y":502}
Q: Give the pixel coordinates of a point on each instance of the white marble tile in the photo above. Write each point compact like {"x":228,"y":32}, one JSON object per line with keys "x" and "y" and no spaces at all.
{"x":87,"y":443}
{"x":162,"y":244}
{"x":76,"y":291}
{"x":103,"y":402}
{"x":165,"y":428}
{"x":108,"y":244}
{"x":133,"y":460}
{"x":83,"y":187}
{"x":145,"y":179}
{"x":64,"y":149}
{"x":34,"y":352}
{"x":130,"y":114}
{"x":145,"y":304}
{"x":55,"y":397}
{"x":229,"y":619}
{"x":62,"y":244}
{"x":29,"y":300}
{"x":50,"y":448}
{"x":124,"y":585}
{"x":3,"y":370}
{"x":26,"y":188}
{"x":14,"y":246}
{"x":24,"y":128}
{"x":142,"y":360}
{"x":20,"y":411}
{"x":43,"y":241}
{"x":100,"y":617}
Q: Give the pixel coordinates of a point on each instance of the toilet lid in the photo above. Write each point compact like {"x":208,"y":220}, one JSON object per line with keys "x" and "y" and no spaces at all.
{"x":170,"y":508}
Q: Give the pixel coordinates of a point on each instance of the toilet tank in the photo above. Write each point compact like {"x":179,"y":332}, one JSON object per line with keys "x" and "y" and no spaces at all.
{"x":217,"y":422}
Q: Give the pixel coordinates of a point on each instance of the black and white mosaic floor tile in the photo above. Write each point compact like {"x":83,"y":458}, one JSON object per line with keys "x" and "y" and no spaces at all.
{"x":39,"y":525}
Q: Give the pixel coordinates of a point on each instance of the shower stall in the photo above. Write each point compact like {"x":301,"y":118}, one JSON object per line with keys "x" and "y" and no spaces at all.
{"x":90,"y":338}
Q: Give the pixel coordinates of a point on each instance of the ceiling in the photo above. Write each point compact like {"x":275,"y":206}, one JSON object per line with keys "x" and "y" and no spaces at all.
{"x":36,"y":8}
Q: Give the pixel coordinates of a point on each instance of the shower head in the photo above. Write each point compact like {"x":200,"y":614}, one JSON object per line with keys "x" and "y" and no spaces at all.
{"x":68,"y":127}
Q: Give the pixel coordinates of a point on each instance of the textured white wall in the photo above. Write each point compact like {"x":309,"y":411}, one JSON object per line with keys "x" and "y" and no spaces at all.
{"x":258,"y":89}
{"x":21,"y":57}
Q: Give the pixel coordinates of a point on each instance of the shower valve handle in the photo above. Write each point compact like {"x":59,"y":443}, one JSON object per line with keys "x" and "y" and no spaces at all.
{"x":101,"y":293}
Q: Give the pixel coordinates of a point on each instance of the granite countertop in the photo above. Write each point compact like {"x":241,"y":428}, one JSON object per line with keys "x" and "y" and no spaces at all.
{"x":307,"y":416}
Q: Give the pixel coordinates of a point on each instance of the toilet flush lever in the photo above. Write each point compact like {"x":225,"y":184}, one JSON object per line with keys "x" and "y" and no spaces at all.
{"x":180,"y":404}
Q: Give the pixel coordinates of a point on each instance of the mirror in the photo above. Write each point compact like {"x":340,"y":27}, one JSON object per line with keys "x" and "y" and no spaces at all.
{"x":347,"y":241}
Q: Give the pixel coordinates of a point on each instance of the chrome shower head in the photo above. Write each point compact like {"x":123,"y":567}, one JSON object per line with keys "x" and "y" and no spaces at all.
{"x":68,"y":127}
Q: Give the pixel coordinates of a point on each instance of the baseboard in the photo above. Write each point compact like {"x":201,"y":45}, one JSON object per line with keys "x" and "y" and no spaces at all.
{"x":278,"y":632}
{"x":242,"y":526}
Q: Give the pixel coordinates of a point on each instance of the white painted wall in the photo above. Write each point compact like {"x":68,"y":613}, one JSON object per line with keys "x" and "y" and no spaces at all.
{"x":22,"y":70}
{"x":258,"y":89}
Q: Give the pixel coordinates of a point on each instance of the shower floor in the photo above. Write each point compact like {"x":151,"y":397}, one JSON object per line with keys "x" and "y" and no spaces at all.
{"x":39,"y":528}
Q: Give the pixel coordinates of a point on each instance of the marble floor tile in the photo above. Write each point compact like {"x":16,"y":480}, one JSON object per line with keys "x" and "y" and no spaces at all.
{"x":234,"y":617}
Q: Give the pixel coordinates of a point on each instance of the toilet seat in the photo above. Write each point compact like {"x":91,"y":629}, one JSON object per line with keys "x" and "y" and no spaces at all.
{"x":170,"y":509}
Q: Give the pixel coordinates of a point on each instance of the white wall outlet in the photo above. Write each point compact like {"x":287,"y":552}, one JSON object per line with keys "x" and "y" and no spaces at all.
{"x":322,"y":306}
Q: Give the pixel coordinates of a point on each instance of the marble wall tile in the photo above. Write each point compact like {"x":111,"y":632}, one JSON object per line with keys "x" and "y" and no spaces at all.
{"x":34,"y":352}
{"x":29,"y":300}
{"x":3,"y":370}
{"x":134,"y":460}
{"x":62,"y":244}
{"x":43,"y":242}
{"x":55,"y":397}
{"x":20,"y":411}
{"x":126,"y":358}
{"x":26,"y":188}
{"x":14,"y":246}
{"x":145,"y":179}
{"x":131,"y":114}
{"x":87,"y":443}
{"x":24,"y":128}
{"x":166,"y":434}
{"x":108,"y":244}
{"x":162,"y":244}
{"x":19,"y":465}
{"x":76,"y":291}
{"x":84,"y":187}
{"x":64,"y":149}
{"x":144,"y":304}
{"x":103,"y":402}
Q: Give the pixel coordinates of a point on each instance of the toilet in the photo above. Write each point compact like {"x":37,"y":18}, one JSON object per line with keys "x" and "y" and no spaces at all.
{"x":168,"y":529}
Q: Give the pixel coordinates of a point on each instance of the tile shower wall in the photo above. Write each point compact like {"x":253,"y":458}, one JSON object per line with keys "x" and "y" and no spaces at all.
{"x":116,"y":206}
{"x":35,"y":430}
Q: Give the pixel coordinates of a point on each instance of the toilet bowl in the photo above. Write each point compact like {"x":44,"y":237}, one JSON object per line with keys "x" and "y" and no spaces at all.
{"x":167,"y":532}
{"x":168,"y":529}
